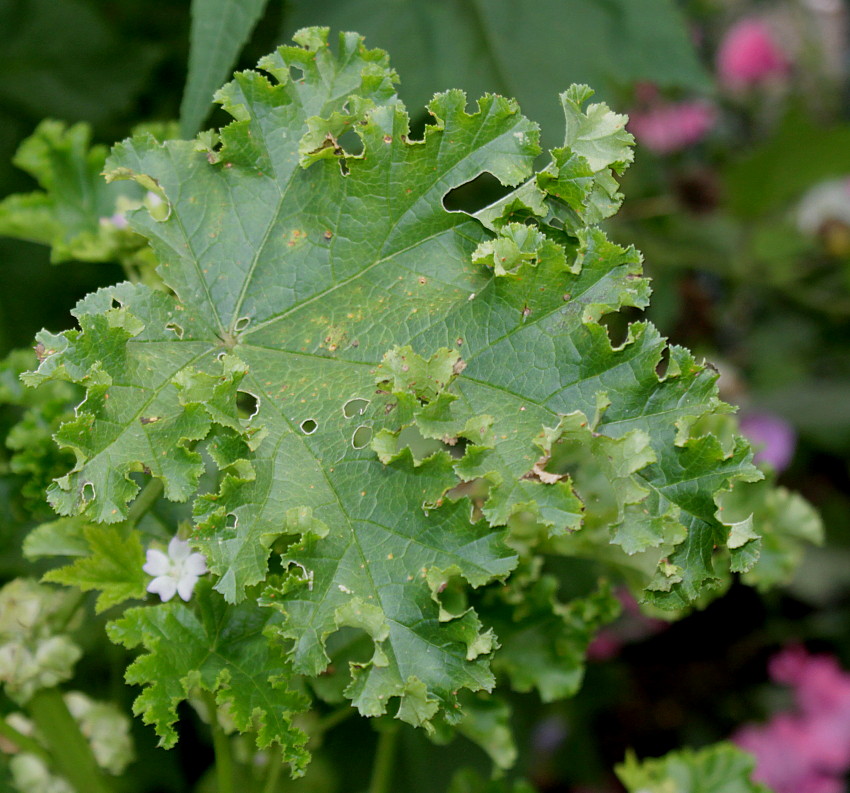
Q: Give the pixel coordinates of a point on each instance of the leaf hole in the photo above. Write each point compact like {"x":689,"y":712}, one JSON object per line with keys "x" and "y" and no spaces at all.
{"x":477,"y":491}
{"x":116,"y":303}
{"x":220,"y":356}
{"x":361,"y":437}
{"x":452,"y":597}
{"x":350,"y":143}
{"x":664,"y":364}
{"x":309,"y":426}
{"x":355,"y":407}
{"x":247,"y":404}
{"x":472,"y":196}
{"x":617,"y":324}
{"x":87,"y":493}
{"x":456,"y":447}
{"x":296,"y":73}
{"x":176,"y":329}
{"x":241,"y":324}
{"x":231,"y":521}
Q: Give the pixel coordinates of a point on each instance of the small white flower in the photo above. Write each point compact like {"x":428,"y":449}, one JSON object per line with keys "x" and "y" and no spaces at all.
{"x":174,"y":572}
{"x":827,"y":202}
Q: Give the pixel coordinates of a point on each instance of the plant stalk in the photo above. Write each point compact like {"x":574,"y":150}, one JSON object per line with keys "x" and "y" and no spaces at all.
{"x":221,"y":746}
{"x":23,"y":742}
{"x":382,"y":770}
{"x":69,"y":751}
{"x":330,"y":721}
{"x":275,"y":767}
{"x":144,"y":501}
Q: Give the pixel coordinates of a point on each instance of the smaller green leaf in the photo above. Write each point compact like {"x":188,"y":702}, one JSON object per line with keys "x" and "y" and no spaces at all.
{"x":721,"y":768}
{"x":63,"y":537}
{"x":77,"y":213}
{"x":486,"y":722}
{"x":34,"y":456}
{"x":113,"y":566}
{"x":787,"y":523}
{"x":597,"y":134}
{"x":578,"y":188}
{"x":221,"y":649}
{"x":543,"y":642}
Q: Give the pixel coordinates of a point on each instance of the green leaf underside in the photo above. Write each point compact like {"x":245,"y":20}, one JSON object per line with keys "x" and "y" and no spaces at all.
{"x":365,"y":320}
{"x":223,"y":650}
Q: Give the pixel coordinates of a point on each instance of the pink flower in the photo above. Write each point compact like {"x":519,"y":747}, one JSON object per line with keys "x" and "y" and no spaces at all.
{"x":749,"y":55}
{"x":806,"y":750}
{"x":632,"y":626}
{"x":665,"y":127}
{"x":772,"y":436}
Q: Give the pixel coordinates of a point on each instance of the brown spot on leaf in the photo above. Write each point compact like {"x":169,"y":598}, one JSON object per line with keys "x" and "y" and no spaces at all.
{"x":459,"y":366}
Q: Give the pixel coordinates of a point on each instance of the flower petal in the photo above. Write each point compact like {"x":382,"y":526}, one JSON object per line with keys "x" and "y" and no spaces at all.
{"x":178,"y":549}
{"x":164,"y":586}
{"x":195,"y":565}
{"x":185,"y":585}
{"x":157,"y":563}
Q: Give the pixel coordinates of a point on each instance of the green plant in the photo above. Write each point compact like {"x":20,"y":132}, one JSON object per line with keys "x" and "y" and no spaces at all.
{"x":401,"y":436}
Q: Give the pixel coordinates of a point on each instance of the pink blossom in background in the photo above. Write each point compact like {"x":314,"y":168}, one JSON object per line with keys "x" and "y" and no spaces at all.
{"x":772,"y":436}
{"x":666,"y":127}
{"x":749,"y":55}
{"x":631,"y":626}
{"x":806,"y":750}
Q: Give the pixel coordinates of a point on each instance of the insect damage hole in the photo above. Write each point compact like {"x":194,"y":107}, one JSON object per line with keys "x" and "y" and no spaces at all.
{"x":241,"y":324}
{"x":472,"y":196}
{"x":87,"y":494}
{"x":361,"y":437}
{"x":247,"y":404}
{"x":350,"y":143}
{"x":355,"y":407}
{"x":618,"y":323}
{"x":309,"y":426}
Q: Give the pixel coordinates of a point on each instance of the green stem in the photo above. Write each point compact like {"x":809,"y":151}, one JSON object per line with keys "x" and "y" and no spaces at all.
{"x":69,"y":750}
{"x":144,"y":501}
{"x":221,"y":746}
{"x":23,"y":742}
{"x":330,"y":721}
{"x":63,"y":617}
{"x":130,"y":271}
{"x":382,"y":770}
{"x":275,"y":767}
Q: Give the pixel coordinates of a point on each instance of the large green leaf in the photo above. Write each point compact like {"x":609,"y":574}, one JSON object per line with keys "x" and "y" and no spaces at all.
{"x":397,"y":357}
